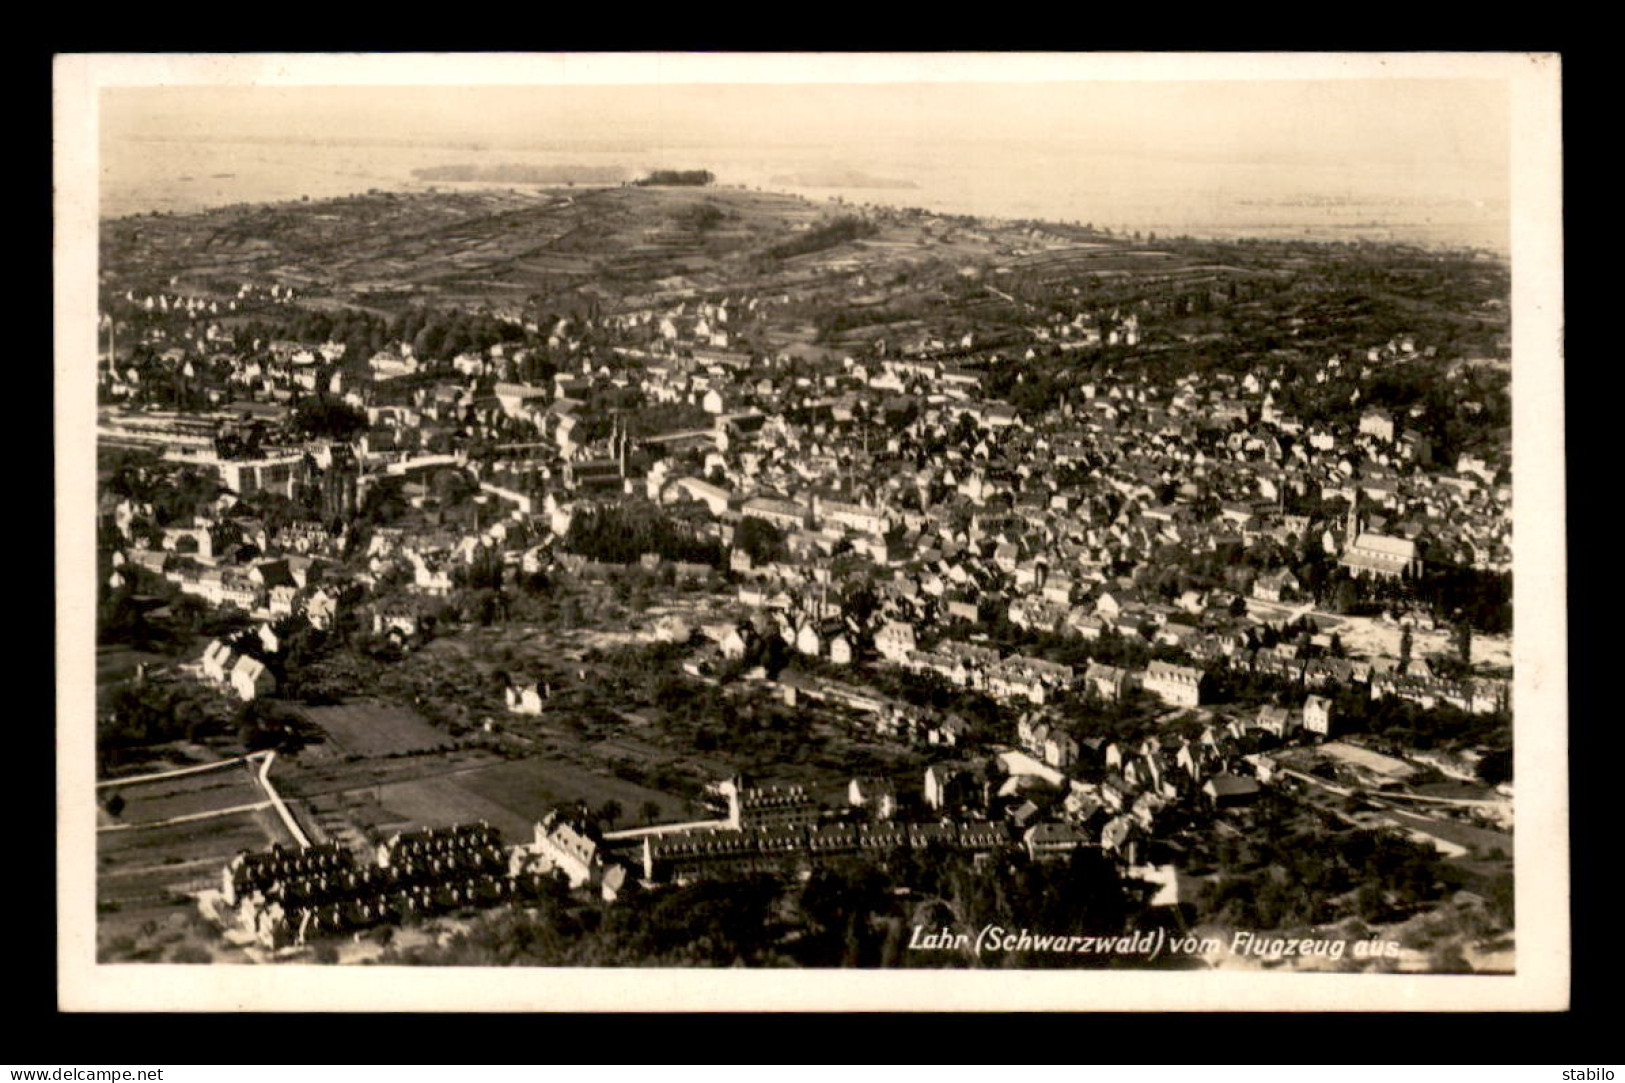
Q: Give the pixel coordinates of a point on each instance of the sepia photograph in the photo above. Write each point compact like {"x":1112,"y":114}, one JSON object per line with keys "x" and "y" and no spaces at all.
{"x":810,"y":531}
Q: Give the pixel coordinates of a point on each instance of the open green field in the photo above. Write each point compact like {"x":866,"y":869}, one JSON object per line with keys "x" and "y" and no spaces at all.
{"x":118,"y":662}
{"x":512,"y":796}
{"x":1452,"y":831}
{"x":535,"y":785}
{"x":371,"y":728}
{"x":444,"y":800}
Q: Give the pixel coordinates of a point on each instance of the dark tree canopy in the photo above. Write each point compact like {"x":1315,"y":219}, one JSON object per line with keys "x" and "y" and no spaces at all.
{"x":693,"y":178}
{"x":324,"y":417}
{"x":617,"y":535}
{"x":760,"y":539}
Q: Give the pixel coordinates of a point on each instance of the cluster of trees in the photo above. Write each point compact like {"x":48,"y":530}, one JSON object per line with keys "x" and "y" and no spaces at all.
{"x":704,"y":924}
{"x":176,"y":493}
{"x":988,"y":723}
{"x":843,"y":229}
{"x":363,"y":333}
{"x":435,"y":334}
{"x":683,"y":178}
{"x":1282,"y":878}
{"x":846,"y":914}
{"x":1312,"y":313}
{"x":146,"y":713}
{"x":643,"y":418}
{"x":265,"y":723}
{"x":761,"y":540}
{"x":300,"y":324}
{"x":166,"y":387}
{"x":483,"y":572}
{"x":1410,"y":725}
{"x":440,"y":334}
{"x":1407,"y":724}
{"x":124,"y":617}
{"x":759,"y":735}
{"x":616,"y":534}
{"x":1109,"y":648}
{"x":699,"y":217}
{"x":1033,"y":392}
{"x":1496,"y":767}
{"x":700,"y":716}
{"x":861,"y":913}
{"x":1460,"y":410}
{"x":691,"y":704}
{"x":332,"y":419}
{"x":1474,"y":598}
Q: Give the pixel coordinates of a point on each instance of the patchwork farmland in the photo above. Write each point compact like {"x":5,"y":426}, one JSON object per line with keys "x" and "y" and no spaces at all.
{"x":162,"y":840}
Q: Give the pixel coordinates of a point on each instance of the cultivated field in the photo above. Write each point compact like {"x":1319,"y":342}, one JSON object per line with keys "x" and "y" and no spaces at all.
{"x":145,"y":864}
{"x":173,"y":835}
{"x":145,"y":878}
{"x":348,"y":800}
{"x":146,"y":803}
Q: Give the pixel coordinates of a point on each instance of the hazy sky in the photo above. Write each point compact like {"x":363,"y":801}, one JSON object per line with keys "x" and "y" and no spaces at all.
{"x":1420,"y":144}
{"x":1409,"y":123}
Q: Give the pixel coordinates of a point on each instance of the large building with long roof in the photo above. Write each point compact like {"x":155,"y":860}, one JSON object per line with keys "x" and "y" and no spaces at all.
{"x":1366,"y":553}
{"x":1379,"y":554}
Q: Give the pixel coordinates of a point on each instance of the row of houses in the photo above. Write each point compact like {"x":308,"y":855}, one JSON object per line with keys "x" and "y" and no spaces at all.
{"x":788,"y":848}
{"x":283,"y":897}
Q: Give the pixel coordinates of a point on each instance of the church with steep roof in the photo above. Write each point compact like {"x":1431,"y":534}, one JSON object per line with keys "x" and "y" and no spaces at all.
{"x":1370,"y":554}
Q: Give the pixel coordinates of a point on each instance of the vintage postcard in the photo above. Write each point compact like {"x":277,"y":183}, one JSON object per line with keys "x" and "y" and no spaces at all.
{"x":811,"y":532}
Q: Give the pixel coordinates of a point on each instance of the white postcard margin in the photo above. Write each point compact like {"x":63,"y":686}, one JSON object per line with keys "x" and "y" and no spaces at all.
{"x":1541,"y":855}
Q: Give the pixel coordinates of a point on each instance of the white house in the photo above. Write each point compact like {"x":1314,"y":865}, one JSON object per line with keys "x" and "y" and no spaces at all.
{"x":560,"y":846}
{"x":1060,"y":750}
{"x":1176,"y":685}
{"x":218,"y":660}
{"x":1317,"y":715}
{"x":525,"y":699}
{"x":250,"y":678}
{"x":895,"y":641}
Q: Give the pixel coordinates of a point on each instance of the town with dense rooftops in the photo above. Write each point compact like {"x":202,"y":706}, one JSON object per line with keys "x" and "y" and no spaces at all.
{"x":678,"y":573}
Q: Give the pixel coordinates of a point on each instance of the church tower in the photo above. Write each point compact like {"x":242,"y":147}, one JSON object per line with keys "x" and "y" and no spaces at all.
{"x":340,"y":486}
